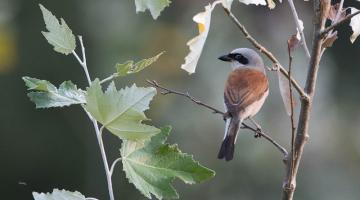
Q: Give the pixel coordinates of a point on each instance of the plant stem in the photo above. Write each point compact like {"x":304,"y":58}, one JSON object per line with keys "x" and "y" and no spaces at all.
{"x":300,"y":29}
{"x":321,"y":8}
{"x":95,"y":124}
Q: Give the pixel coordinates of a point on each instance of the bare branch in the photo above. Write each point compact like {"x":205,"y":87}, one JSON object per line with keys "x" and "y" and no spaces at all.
{"x":257,"y":132}
{"x":321,"y":8}
{"x":335,"y":25}
{"x":292,"y":121}
{"x":266,"y":52}
{"x":300,"y":29}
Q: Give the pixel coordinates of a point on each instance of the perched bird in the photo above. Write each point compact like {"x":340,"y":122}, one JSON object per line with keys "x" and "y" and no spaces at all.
{"x":245,"y":92}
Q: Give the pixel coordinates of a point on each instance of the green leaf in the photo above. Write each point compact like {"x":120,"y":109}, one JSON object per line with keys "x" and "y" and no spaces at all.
{"x":46,"y":95}
{"x":155,"y":6}
{"x":151,"y":167}
{"x":59,"y":34}
{"x":129,"y":67}
{"x":121,"y":112}
{"x":59,"y":195}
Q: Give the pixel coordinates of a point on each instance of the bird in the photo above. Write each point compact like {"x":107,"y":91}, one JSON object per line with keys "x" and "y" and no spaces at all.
{"x":246,"y":90}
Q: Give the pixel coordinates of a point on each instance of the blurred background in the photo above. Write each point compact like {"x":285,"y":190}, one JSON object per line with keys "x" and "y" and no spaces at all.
{"x":56,"y":148}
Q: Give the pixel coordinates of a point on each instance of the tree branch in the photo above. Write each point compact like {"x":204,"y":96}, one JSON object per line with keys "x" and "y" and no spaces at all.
{"x":321,"y":8}
{"x":300,"y":29}
{"x":292,"y":121}
{"x":335,"y":25}
{"x":266,"y":52}
{"x":259,"y":133}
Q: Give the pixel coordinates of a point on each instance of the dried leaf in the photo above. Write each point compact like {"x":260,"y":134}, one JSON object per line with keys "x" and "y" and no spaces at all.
{"x":334,"y":9}
{"x":293,"y":42}
{"x":285,"y":92}
{"x":197,"y":43}
{"x":355,"y":25}
{"x":329,"y":40}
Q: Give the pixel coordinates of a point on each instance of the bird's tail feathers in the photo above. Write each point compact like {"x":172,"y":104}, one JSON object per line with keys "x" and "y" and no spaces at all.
{"x":228,"y":144}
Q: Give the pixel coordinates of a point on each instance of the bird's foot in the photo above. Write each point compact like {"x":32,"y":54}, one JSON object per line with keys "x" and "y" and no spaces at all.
{"x":226,"y":116}
{"x":258,"y":132}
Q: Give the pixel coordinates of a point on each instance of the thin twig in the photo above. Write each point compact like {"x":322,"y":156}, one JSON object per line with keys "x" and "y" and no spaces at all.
{"x":266,"y":52}
{"x":95,"y":124}
{"x":292,"y":121}
{"x":217,"y":111}
{"x":300,"y":29}
{"x":335,"y":25}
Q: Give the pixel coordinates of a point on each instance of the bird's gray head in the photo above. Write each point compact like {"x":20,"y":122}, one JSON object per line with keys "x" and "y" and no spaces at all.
{"x":244,"y":58}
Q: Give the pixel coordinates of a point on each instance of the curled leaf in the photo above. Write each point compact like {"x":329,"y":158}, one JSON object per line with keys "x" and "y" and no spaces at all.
{"x":355,"y":25}
{"x":293,"y":42}
{"x":197,"y":43}
{"x":329,"y":40}
{"x":46,"y":95}
{"x":129,"y":67}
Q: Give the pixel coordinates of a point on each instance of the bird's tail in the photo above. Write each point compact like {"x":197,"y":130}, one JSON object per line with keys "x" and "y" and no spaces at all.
{"x":228,"y":144}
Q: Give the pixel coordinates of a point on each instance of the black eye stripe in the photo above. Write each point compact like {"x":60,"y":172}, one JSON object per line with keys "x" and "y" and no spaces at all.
{"x":239,"y":57}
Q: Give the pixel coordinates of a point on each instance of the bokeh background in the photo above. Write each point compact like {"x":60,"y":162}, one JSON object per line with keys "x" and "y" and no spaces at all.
{"x":57,"y":148}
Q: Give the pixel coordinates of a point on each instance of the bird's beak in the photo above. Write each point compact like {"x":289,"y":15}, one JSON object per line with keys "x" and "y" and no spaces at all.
{"x":225,"y":58}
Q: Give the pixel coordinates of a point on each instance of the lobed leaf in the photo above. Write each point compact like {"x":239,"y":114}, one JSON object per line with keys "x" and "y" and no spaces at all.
{"x":59,"y":34}
{"x":46,"y":95}
{"x":155,"y":6}
{"x":151,"y":167}
{"x":121,"y":112}
{"x":59,"y":195}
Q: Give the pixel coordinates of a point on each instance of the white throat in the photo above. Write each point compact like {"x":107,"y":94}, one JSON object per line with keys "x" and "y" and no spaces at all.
{"x":236,"y":65}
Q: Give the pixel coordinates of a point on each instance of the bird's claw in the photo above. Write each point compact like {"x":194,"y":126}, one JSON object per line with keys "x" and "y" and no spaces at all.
{"x":258,"y":133}
{"x":226,"y":115}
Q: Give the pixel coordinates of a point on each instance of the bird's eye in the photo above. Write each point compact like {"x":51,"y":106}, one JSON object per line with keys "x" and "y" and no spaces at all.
{"x":238,"y":57}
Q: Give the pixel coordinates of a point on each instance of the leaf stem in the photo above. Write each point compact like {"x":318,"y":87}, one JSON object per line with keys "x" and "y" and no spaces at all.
{"x":95,"y":124}
{"x":110,"y":78}
{"x":113,"y":165}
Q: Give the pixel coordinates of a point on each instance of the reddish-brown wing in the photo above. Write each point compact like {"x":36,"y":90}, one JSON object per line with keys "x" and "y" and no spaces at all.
{"x":244,"y":87}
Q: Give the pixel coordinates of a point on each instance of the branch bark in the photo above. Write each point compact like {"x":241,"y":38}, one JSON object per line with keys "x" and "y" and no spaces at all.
{"x":258,"y":133}
{"x":321,"y":8}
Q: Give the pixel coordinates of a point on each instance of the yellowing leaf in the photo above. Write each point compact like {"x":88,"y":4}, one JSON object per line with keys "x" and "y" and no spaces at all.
{"x":196,"y":44}
{"x":355,"y":25}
